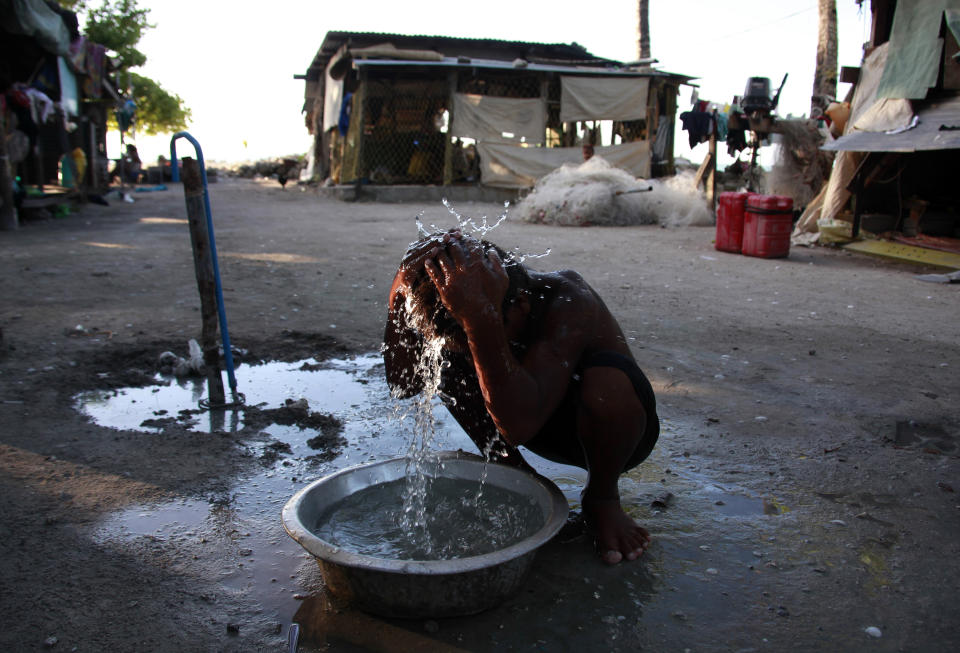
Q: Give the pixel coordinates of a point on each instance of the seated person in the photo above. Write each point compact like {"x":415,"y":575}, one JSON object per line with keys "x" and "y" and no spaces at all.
{"x":129,"y":166}
{"x":530,"y":358}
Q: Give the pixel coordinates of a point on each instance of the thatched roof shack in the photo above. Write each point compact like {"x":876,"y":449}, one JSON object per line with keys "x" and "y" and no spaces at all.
{"x":397,"y":109}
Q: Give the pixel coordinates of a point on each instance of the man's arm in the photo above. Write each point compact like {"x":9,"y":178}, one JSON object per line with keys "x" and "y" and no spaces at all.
{"x":519,"y":397}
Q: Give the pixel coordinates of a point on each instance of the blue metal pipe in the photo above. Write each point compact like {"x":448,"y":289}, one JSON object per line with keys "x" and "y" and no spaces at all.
{"x":224,"y":333}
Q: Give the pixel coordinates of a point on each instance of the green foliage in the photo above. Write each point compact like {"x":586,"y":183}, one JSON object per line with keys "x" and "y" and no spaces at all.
{"x":158,"y":111}
{"x":119,"y":25}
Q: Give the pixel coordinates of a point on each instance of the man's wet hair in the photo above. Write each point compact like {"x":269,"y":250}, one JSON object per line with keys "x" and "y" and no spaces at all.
{"x":427,"y":302}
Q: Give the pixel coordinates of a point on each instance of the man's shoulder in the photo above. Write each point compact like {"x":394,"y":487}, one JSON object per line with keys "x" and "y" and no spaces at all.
{"x":570,"y":292}
{"x":565,"y":277}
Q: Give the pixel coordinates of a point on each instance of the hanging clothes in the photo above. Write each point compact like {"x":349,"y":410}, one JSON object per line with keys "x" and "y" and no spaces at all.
{"x":343,"y":124}
{"x":722,"y":120}
{"x":736,"y":138}
{"x":699,"y":125}
{"x":126,"y":115}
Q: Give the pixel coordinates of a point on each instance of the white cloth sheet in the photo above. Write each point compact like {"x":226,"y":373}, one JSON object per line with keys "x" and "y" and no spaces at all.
{"x":332,"y":98}
{"x":511,"y":166}
{"x":486,"y":119}
{"x":603,"y":98}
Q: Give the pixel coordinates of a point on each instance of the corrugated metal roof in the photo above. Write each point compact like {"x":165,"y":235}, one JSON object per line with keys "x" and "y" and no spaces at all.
{"x":927,"y":135}
{"x":450,"y":46}
{"x":452,"y":62}
{"x":449,"y":39}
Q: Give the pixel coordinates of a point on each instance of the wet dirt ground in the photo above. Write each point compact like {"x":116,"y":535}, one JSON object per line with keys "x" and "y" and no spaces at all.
{"x":805,"y":482}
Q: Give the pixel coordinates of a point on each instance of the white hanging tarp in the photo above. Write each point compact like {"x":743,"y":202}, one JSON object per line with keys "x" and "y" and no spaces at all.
{"x":603,"y":98}
{"x":510,"y":166}
{"x":332,"y":102}
{"x":486,"y":118}
{"x":69,"y":97}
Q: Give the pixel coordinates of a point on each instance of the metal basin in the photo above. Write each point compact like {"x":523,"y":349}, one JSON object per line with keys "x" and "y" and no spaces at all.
{"x":423,"y":588}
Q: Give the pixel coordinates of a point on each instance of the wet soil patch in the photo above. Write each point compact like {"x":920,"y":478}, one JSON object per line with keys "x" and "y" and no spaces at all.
{"x":934,"y":438}
{"x":293,"y":413}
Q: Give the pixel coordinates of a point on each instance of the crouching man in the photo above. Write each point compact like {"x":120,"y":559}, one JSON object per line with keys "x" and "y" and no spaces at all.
{"x":530,"y":358}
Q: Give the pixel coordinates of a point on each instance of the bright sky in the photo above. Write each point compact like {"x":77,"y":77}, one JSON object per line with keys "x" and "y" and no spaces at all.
{"x":233,"y":62}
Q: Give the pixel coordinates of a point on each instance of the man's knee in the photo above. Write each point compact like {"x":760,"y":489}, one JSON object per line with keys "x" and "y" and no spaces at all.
{"x":608,"y":399}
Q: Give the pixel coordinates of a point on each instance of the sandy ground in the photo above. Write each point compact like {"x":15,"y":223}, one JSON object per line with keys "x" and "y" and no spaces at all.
{"x":810,"y":437}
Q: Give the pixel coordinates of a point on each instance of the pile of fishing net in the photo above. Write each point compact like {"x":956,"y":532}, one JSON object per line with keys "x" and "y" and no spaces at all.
{"x":596,"y":193}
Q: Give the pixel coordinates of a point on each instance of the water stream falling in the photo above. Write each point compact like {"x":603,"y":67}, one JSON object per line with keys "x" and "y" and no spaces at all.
{"x":413,"y":518}
{"x":421,"y":467}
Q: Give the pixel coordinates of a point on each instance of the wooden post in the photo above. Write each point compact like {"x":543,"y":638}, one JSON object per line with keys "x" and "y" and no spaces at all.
{"x":8,"y":212}
{"x":357,"y":115}
{"x":37,"y":159}
{"x":857,"y":207}
{"x":653,"y":112}
{"x":448,"y":146}
{"x":712,"y":170}
{"x":672,"y":93}
{"x":206,"y":282}
{"x":753,"y":178}
{"x":92,"y":163}
{"x":702,"y":171}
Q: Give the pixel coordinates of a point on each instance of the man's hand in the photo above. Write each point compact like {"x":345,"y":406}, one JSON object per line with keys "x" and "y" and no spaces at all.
{"x":471,"y":283}
{"x":412,"y":265}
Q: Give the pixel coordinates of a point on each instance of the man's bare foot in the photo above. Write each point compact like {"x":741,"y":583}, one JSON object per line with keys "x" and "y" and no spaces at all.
{"x":617,"y":535}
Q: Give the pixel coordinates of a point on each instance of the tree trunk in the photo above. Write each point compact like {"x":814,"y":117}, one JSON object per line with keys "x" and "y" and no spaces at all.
{"x":825,"y":74}
{"x":643,"y":29}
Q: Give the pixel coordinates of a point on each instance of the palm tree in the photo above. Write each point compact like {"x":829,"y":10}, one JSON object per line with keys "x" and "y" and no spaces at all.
{"x":643,"y":29}
{"x":825,"y":74}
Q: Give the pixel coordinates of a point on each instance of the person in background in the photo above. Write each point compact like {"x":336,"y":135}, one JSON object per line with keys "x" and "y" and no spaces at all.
{"x":129,"y":166}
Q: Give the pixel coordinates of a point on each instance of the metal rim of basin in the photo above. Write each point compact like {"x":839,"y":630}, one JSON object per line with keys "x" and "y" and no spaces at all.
{"x":550,"y":494}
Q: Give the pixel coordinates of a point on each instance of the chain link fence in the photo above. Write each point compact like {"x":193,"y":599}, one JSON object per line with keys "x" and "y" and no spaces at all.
{"x":404,"y":116}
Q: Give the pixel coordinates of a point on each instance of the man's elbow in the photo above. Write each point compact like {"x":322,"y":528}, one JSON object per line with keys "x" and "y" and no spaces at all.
{"x":518,"y":433}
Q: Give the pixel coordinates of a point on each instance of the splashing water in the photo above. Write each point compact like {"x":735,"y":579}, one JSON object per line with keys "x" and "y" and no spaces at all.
{"x":419,"y":466}
{"x":519,"y":257}
{"x":422,"y":468}
{"x":469,"y":226}
{"x":488,"y":453}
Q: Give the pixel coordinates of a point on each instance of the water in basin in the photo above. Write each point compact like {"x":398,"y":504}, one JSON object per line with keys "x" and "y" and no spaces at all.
{"x":369,"y":521}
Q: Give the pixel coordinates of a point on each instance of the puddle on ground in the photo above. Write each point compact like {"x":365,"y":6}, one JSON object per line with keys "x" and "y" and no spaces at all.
{"x":245,"y":519}
{"x":337,"y":385}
